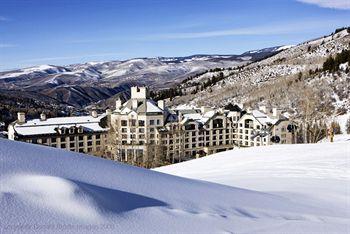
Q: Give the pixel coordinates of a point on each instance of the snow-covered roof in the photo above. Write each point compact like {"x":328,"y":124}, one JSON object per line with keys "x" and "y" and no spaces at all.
{"x":49,"y":126}
{"x":264,"y":118}
{"x":144,"y":106}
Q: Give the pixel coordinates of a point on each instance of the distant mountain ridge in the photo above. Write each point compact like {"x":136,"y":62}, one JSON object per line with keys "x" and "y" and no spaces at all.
{"x":82,"y":84}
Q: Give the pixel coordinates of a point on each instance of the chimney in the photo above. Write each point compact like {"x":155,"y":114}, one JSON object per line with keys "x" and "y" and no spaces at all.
{"x":94,"y":114}
{"x":42,"y":116}
{"x":21,"y":117}
{"x":161,"y":104}
{"x":118,"y":104}
{"x":276,"y":112}
{"x":249,"y":110}
{"x":138,"y":92}
{"x":263,"y":109}
{"x":134,"y":104}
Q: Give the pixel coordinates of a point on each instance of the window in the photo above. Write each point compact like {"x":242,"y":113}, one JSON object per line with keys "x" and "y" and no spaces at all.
{"x":53,"y":140}
{"x":217,"y":123}
{"x":63,"y":139}
{"x":141,"y":123}
{"x":151,"y":122}
{"x":63,"y":146}
{"x":81,"y":144}
{"x":71,"y":138}
{"x":89,"y":137}
{"x":133,"y":122}
{"x":71,"y":145}
{"x":158,"y":122}
{"x":124,"y":123}
{"x":190,"y":127}
{"x":81,"y":138}
{"x":98,"y":136}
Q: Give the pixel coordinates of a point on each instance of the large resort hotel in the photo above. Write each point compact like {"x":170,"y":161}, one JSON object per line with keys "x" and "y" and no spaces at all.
{"x":143,"y":132}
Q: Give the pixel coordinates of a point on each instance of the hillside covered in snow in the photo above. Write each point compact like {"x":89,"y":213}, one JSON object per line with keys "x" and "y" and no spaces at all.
{"x":282,"y":80}
{"x":49,"y":190}
{"x":82,"y":84}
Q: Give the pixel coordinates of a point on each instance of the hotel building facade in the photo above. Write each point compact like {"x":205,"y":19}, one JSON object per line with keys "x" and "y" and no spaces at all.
{"x":146,"y":133}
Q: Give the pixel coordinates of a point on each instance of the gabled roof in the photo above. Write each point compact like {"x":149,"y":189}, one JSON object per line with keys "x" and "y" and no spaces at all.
{"x":263,"y":118}
{"x":49,"y":126}
{"x":144,"y":106}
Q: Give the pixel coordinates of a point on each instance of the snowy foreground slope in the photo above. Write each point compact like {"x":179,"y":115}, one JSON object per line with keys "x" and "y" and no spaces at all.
{"x":316,"y":175}
{"x":49,"y":190}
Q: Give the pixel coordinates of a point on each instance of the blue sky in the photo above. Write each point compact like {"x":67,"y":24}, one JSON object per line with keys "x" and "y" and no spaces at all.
{"x":72,"y":31}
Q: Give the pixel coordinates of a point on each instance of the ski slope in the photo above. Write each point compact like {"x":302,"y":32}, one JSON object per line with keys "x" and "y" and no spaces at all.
{"x":49,"y":190}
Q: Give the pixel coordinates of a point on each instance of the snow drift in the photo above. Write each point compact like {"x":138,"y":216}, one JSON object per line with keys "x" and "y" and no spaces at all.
{"x":49,"y":190}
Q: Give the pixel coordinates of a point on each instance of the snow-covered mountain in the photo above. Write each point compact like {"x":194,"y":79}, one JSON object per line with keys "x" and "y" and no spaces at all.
{"x":274,"y":189}
{"x":61,"y":82}
{"x":150,"y":71}
{"x":279,"y":80}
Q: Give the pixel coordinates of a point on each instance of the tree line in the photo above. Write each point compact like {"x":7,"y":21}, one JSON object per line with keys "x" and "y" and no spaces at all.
{"x":332,"y":63}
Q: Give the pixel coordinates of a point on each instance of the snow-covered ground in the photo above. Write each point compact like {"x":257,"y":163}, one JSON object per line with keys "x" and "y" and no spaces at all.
{"x":289,"y":189}
{"x":314,"y":175}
